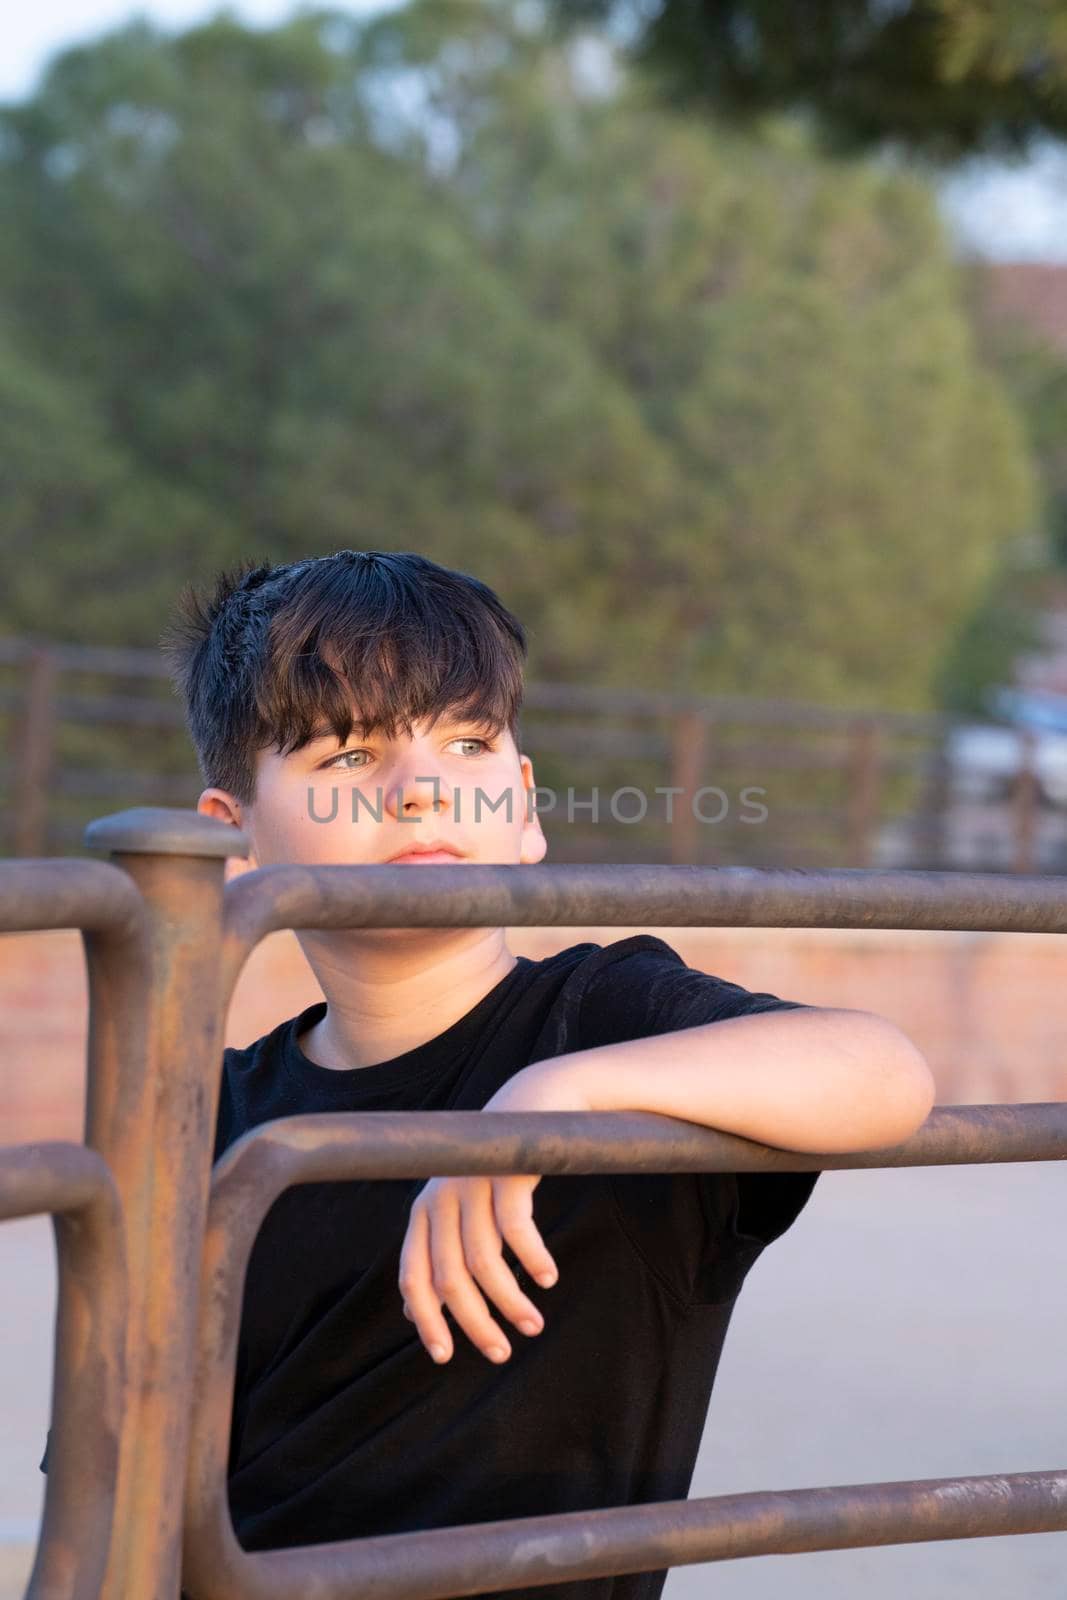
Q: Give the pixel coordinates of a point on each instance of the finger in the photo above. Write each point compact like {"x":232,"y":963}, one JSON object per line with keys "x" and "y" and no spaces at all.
{"x":421,"y":1303}
{"x":483,"y":1252}
{"x":513,"y":1209}
{"x":452,"y":1279}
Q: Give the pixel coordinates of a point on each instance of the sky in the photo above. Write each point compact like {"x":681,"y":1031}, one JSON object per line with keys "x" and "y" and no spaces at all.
{"x":1014,"y":212}
{"x":33,"y":31}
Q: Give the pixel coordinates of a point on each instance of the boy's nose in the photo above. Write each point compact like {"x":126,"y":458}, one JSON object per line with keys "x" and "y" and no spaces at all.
{"x":418,"y":788}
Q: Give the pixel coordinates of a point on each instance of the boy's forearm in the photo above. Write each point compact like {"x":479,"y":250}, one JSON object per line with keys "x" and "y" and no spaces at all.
{"x":819,"y":1079}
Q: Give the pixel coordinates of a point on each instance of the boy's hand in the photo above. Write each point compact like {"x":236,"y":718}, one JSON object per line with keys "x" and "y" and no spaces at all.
{"x":454,"y":1241}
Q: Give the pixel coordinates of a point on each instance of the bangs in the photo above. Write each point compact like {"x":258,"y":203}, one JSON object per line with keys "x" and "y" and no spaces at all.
{"x":376,"y":657}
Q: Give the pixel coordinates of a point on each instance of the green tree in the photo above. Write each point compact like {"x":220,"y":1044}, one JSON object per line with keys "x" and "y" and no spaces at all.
{"x":943,"y":78}
{"x":795,"y":333}
{"x":708,"y":412}
{"x":289,"y":330}
{"x":1034,"y":371}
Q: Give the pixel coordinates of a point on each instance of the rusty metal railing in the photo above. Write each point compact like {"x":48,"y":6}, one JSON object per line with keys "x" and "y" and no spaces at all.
{"x":153,"y":1243}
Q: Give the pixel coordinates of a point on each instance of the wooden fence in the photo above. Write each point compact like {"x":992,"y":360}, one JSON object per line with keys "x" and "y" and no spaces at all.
{"x":84,"y":725}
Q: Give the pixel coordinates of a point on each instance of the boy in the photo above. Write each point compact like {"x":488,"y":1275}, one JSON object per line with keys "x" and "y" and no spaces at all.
{"x":348,"y":709}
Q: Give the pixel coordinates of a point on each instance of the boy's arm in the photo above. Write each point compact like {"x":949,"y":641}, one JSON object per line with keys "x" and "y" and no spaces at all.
{"x":801,"y":1078}
{"x":815,"y":1079}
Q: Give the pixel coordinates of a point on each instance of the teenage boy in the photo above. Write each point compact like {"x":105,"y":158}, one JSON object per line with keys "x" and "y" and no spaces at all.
{"x":348,"y":709}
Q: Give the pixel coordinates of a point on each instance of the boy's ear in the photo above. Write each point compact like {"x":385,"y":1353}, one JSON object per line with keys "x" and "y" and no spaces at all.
{"x":217,"y":803}
{"x":533,"y":844}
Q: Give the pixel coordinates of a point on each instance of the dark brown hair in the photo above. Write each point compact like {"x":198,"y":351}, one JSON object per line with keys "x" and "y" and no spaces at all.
{"x":279,"y":655}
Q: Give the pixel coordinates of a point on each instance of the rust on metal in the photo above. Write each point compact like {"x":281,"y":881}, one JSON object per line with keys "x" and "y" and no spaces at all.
{"x":445,"y":1562}
{"x":334,"y":1147}
{"x":152,"y":1108}
{"x":154,"y":1245}
{"x":48,"y":892}
{"x":88,"y":1377}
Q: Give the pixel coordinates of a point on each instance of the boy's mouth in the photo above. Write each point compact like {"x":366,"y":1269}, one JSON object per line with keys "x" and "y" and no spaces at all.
{"x":425,"y":855}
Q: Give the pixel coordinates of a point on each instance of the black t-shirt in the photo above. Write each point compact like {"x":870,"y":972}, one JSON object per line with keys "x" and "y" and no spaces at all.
{"x":343,"y":1425}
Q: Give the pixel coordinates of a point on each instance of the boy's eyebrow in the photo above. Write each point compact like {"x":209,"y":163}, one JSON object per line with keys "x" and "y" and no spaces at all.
{"x":323,"y":730}
{"x":359,"y":728}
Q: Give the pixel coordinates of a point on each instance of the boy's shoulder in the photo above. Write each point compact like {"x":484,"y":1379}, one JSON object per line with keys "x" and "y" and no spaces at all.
{"x":236,"y":1057}
{"x":642,"y":986}
{"x":647,"y":949}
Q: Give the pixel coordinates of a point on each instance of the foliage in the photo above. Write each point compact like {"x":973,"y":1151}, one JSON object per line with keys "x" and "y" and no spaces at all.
{"x":707,"y":411}
{"x":942,"y":78}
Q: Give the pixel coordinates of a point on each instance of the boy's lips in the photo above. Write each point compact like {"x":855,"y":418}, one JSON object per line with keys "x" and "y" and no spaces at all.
{"x":429,"y":853}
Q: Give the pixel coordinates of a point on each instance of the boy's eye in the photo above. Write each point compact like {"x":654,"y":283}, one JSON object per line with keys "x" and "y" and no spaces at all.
{"x":487,"y":744}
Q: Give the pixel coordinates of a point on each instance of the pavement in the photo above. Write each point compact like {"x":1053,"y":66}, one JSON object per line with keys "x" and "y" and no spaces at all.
{"x":909,"y":1325}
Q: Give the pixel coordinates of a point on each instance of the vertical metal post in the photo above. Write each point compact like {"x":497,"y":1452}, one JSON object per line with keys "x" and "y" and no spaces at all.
{"x":689,"y":755}
{"x":32,"y":746}
{"x":864,"y":790}
{"x":1025,"y":808}
{"x":934,"y":811}
{"x":155,"y":1048}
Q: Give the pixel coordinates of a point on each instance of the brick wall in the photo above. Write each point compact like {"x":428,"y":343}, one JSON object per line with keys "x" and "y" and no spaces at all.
{"x":984,"y":1008}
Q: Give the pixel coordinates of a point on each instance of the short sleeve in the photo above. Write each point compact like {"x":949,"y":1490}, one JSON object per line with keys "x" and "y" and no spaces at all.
{"x":635,"y":989}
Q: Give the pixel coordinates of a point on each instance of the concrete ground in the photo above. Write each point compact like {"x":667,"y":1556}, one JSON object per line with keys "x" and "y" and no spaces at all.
{"x":910,"y":1325}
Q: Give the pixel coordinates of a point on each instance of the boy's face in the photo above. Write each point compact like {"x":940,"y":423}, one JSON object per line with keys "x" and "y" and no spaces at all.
{"x":364,"y":802}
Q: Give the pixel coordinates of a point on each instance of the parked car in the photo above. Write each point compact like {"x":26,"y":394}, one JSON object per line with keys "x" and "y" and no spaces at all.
{"x":1039,"y":709}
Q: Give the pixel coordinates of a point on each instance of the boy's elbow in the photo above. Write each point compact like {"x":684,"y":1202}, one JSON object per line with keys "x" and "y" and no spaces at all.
{"x":921,"y":1095}
{"x":907,"y":1080}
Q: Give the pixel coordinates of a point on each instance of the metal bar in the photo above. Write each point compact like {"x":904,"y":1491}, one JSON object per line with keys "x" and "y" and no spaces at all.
{"x":155,"y":1048}
{"x":47,"y":892}
{"x":571,"y":1545}
{"x":102,"y":901}
{"x":273,"y":898}
{"x":327,"y":1147}
{"x":165,"y":942}
{"x":88,"y":1375}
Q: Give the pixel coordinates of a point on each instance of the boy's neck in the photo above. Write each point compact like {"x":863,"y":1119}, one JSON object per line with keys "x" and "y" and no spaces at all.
{"x":392,"y":997}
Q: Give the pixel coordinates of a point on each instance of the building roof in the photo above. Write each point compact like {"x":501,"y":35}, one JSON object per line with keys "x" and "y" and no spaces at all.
{"x":1032,"y":292}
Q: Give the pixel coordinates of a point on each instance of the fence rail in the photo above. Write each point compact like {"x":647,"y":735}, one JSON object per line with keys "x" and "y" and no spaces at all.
{"x":856,"y":787}
{"x":150,"y":1280}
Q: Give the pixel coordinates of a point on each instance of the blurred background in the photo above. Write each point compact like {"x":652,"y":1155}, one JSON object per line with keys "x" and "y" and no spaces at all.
{"x":728,"y":342}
